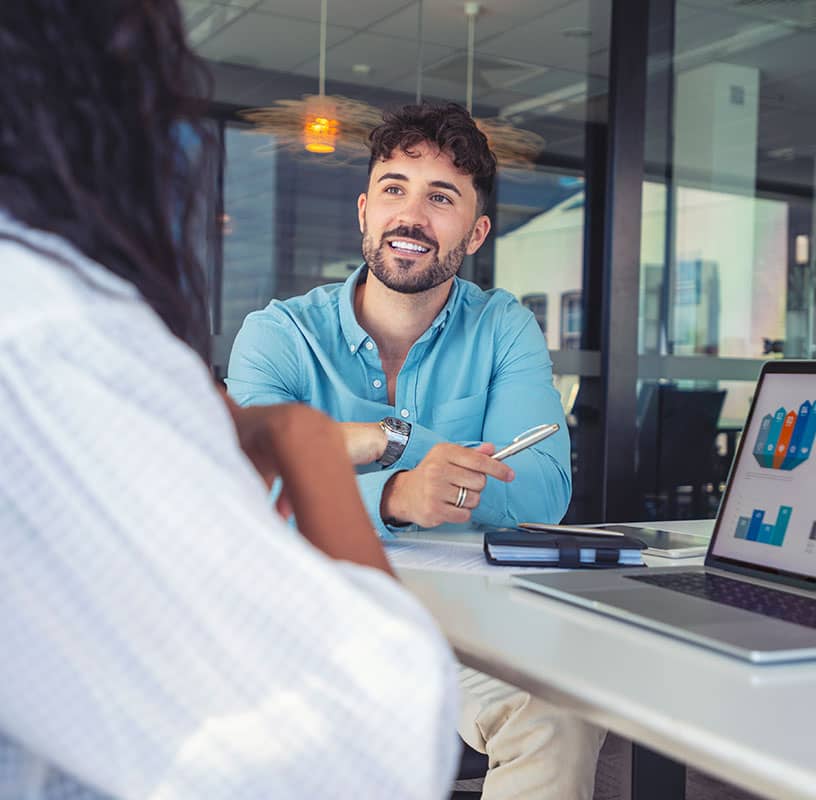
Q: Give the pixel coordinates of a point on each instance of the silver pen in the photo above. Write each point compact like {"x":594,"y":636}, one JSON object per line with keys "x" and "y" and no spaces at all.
{"x":524,"y":440}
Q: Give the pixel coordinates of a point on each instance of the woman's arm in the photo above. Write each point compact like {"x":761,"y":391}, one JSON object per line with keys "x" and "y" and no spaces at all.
{"x":308,"y":451}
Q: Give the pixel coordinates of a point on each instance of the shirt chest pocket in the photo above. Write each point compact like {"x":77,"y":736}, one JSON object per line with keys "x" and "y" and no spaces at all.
{"x":460,"y":420}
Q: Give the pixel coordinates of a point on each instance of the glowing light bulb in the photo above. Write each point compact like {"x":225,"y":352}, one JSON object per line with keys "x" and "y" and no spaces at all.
{"x":320,"y":133}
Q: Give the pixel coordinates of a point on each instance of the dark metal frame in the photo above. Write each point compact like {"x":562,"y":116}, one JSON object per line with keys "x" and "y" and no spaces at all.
{"x":629,"y":36}
{"x":217,"y":258}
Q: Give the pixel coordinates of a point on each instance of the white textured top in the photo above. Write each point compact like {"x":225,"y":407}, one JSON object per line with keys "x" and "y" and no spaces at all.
{"x":163,"y":634}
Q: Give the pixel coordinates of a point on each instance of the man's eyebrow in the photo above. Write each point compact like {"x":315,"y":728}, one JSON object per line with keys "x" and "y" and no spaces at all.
{"x":392,"y":176}
{"x":445,"y":185}
{"x":398,"y":176}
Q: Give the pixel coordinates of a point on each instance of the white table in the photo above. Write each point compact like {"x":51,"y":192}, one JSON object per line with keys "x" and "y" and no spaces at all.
{"x":754,"y":727}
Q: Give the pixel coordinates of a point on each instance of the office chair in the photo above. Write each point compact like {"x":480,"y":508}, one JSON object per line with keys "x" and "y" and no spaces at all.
{"x":677,"y":450}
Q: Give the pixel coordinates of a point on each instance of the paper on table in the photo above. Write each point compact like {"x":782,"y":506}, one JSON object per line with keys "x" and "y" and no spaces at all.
{"x":447,"y":557}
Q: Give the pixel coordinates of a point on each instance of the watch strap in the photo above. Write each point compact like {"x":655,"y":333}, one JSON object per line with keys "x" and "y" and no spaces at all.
{"x":397,"y":433}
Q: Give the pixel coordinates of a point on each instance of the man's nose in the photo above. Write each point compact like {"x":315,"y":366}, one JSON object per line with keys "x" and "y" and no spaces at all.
{"x":412,"y":212}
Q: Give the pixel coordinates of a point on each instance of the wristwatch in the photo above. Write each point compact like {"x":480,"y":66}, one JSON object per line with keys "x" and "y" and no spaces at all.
{"x":397,"y":432}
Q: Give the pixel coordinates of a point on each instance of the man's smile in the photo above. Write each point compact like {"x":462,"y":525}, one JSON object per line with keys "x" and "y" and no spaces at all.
{"x":406,"y":247}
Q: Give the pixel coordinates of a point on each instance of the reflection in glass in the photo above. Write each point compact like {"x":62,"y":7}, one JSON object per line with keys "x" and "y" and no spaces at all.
{"x":727,"y":246}
{"x":289,"y":225}
{"x":540,"y":250}
{"x":726,"y":261}
{"x":248,"y":229}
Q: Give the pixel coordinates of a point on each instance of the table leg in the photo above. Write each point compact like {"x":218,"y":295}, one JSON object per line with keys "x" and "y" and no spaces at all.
{"x":651,"y":776}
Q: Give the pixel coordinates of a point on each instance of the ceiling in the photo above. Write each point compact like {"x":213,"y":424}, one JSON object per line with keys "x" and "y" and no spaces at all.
{"x":541,"y":62}
{"x":528,"y":48}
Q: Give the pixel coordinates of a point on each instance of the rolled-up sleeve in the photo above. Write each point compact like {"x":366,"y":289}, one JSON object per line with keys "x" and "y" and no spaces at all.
{"x":264,"y":366}
{"x":521,"y":396}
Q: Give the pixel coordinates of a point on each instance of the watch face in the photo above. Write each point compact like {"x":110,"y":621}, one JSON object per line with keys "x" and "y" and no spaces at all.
{"x":398,"y":425}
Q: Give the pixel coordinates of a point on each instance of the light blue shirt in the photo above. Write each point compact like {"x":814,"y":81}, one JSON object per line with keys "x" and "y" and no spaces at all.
{"x":480,"y":372}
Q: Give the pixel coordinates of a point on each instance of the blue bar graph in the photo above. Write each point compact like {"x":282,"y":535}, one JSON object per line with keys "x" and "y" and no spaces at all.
{"x":756,"y":524}
{"x":755,"y":529}
{"x":782,"y":520}
{"x":765,"y":533}
{"x":742,"y":527}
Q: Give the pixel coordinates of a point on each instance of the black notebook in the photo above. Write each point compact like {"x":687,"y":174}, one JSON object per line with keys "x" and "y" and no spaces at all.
{"x":520,"y":548}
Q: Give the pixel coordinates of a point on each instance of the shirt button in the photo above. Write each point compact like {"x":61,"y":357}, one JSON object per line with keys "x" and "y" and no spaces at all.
{"x":369,"y":345}
{"x":405,"y":413}
{"x":376,"y":383}
{"x":352,"y":347}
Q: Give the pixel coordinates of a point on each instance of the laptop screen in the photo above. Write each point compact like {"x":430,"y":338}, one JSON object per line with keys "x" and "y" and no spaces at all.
{"x":768,"y":518}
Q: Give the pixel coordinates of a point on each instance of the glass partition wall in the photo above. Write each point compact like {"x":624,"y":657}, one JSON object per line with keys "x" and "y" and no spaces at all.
{"x":289,"y":219}
{"x":662,"y":238}
{"x":726,"y":259}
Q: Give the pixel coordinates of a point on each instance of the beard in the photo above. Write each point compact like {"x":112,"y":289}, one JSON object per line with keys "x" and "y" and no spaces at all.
{"x":405,"y":274}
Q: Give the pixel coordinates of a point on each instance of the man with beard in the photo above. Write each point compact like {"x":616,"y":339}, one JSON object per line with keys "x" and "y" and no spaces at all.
{"x":427,"y":374}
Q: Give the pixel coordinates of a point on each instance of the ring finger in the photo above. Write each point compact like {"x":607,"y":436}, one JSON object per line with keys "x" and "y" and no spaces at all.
{"x":462,"y":497}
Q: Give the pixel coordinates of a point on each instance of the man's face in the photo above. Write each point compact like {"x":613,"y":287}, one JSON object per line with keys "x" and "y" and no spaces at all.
{"x":418,"y":220}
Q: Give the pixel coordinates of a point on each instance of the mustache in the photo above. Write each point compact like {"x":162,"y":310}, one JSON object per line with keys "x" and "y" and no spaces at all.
{"x":416,"y":233}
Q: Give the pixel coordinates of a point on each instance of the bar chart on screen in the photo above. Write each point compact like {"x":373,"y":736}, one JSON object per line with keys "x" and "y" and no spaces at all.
{"x":755,"y":529}
{"x":785,"y":438}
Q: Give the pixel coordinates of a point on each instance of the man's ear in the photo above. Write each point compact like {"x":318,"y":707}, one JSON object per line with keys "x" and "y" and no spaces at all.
{"x":361,"y":204}
{"x":480,"y":231}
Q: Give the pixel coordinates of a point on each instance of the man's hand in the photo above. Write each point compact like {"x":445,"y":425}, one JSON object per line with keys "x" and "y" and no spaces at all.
{"x":365,"y":441}
{"x":427,"y":494}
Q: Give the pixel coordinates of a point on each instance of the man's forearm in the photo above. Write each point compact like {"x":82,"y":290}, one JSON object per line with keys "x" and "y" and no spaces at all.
{"x":365,"y":441}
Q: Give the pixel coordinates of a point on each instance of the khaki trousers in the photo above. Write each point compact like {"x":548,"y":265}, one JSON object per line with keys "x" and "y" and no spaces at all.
{"x":535,"y":749}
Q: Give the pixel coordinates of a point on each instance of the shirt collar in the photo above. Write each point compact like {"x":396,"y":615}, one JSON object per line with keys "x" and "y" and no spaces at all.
{"x":355,"y":334}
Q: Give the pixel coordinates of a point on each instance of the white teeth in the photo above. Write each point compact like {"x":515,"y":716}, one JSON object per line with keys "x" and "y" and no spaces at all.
{"x":414,"y":248}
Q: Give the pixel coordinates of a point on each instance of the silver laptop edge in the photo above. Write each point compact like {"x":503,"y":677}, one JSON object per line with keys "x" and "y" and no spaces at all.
{"x":738,"y":632}
{"x":682,"y":634}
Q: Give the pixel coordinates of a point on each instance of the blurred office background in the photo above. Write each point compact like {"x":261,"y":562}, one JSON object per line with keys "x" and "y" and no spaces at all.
{"x":662,"y":236}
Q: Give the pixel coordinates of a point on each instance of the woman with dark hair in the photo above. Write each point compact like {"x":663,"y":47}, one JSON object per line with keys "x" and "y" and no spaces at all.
{"x":164,"y":633}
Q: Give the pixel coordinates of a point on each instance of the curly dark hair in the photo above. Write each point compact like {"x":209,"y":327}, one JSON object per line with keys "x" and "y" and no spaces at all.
{"x":451,"y":128}
{"x":102,"y":142}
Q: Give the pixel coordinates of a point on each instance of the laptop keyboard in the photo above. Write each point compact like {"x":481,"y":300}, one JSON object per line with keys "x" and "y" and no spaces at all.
{"x":739,"y":594}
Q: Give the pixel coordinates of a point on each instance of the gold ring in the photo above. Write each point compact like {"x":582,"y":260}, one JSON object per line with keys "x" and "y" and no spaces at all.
{"x":460,"y":500}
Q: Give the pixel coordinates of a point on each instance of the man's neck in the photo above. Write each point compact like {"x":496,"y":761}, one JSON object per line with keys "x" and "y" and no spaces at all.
{"x":395,"y":320}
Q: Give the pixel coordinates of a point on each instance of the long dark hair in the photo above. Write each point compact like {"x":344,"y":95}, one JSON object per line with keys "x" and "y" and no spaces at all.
{"x":102,"y":142}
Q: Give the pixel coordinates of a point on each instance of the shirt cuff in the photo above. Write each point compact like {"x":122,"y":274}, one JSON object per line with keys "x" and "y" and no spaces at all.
{"x":420,"y":442}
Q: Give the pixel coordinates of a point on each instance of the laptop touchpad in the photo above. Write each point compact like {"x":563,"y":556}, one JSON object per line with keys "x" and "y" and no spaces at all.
{"x":670,"y":607}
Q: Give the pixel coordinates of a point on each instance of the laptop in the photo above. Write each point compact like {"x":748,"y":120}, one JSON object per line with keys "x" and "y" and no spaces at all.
{"x":755,"y":598}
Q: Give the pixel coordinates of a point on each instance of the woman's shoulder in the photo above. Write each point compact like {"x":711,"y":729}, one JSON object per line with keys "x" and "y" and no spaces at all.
{"x":44,"y":276}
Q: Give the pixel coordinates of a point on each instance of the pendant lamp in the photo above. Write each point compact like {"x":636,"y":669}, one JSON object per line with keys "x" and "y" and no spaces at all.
{"x":333,"y":127}
{"x":512,"y":146}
